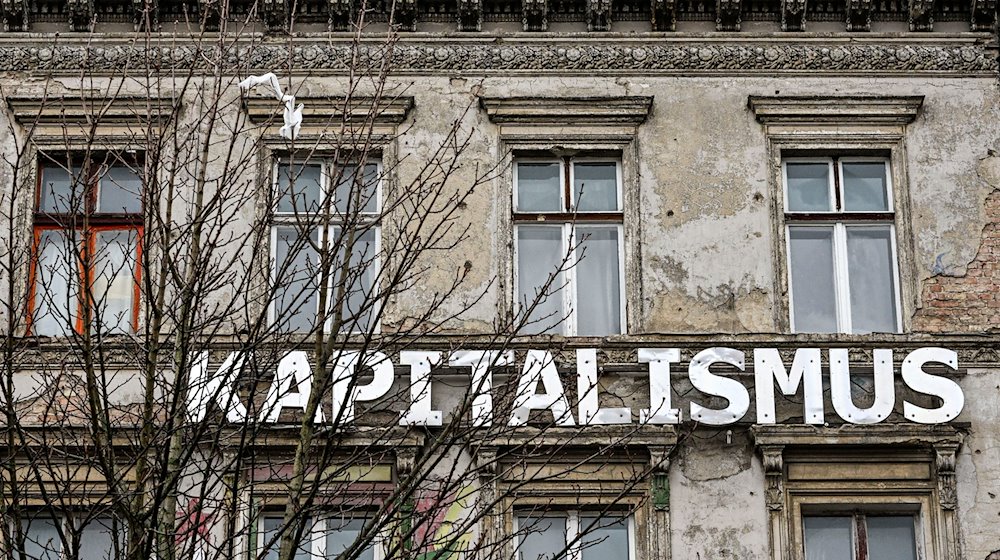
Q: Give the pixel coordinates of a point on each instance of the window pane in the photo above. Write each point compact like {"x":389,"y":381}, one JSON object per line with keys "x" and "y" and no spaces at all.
{"x":56,"y":285}
{"x":808,"y":187}
{"x":296,"y":293}
{"x":538,"y":187}
{"x":341,"y":534}
{"x":828,"y":538}
{"x":348,"y":188}
{"x":120,"y":191}
{"x":98,"y":540}
{"x":891,"y":538}
{"x":604,"y":537}
{"x":813,"y":294}
{"x":298,"y":187}
{"x":871,"y":270}
{"x":539,"y":255}
{"x":114,"y":280}
{"x":541,"y":538}
{"x":41,"y":539}
{"x":360,"y":282}
{"x":598,"y":296}
{"x":59,"y":192}
{"x":271,"y":527}
{"x":865,"y":187}
{"x":595,"y":186}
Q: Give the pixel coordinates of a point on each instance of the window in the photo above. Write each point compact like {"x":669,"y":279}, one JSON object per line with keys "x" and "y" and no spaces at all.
{"x":568,"y":245}
{"x":99,"y":538}
{"x":841,"y":245}
{"x":574,"y":535}
{"x":851,"y":492}
{"x":326,"y":538}
{"x":87,"y":243}
{"x":323,"y":211}
{"x":860,"y":537}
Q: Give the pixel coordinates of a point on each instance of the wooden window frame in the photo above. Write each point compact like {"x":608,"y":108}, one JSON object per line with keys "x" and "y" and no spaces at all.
{"x":88,"y":223}
{"x":859,"y":528}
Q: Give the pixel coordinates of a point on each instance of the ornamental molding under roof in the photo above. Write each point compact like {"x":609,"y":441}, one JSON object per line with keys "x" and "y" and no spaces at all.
{"x":282,"y":16}
{"x":960,"y":55}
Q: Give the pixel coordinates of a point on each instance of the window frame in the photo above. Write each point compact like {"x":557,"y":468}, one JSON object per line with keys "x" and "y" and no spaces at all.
{"x":859,"y":519}
{"x":840,"y":220}
{"x":573,"y":536}
{"x":85,"y":226}
{"x":365,"y":221}
{"x":880,"y":469}
{"x":70,"y":525}
{"x":568,"y":220}
{"x":316,"y":535}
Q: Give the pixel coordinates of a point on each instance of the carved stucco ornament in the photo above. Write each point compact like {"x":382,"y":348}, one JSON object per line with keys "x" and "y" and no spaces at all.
{"x":15,"y":15}
{"x":659,"y":463}
{"x":921,"y":15}
{"x":793,"y":15}
{"x":666,"y":57}
{"x":80,"y":14}
{"x":146,"y":12}
{"x":598,"y":15}
{"x":947,"y":487}
{"x":470,"y":15}
{"x":774,"y":474}
{"x":664,"y":15}
{"x":535,"y":15}
{"x":728,"y":15}
{"x":859,"y":15}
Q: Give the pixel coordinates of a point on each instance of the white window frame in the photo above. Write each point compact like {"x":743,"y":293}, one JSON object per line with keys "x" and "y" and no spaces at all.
{"x":574,"y":539}
{"x":568,"y":326}
{"x":292,"y":219}
{"x":842,"y":299}
{"x":68,"y":523}
{"x":317,"y":538}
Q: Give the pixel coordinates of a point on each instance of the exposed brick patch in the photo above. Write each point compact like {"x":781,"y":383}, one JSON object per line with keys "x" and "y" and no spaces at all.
{"x":968,"y":303}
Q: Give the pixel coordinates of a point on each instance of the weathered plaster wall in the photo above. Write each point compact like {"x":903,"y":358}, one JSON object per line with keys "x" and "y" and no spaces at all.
{"x":717,"y":506}
{"x":707,"y":254}
{"x":978,"y":468}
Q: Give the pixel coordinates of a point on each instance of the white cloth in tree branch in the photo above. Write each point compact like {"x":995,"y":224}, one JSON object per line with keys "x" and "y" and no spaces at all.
{"x":293,"y":114}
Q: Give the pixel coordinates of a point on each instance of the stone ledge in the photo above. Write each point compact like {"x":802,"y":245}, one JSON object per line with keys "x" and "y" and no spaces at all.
{"x":840,"y":110}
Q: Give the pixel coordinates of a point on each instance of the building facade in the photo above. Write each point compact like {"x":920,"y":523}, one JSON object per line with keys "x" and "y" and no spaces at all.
{"x":500,"y":280}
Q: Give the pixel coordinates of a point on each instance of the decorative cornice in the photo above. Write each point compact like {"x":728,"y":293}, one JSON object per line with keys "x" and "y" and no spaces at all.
{"x":57,"y":116}
{"x":656,"y":54}
{"x":325,"y":112}
{"x":838,"y":109}
{"x":563,"y":111}
{"x":916,"y":435}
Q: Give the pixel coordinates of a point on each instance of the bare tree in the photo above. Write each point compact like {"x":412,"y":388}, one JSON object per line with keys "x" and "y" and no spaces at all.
{"x":197,"y":311}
